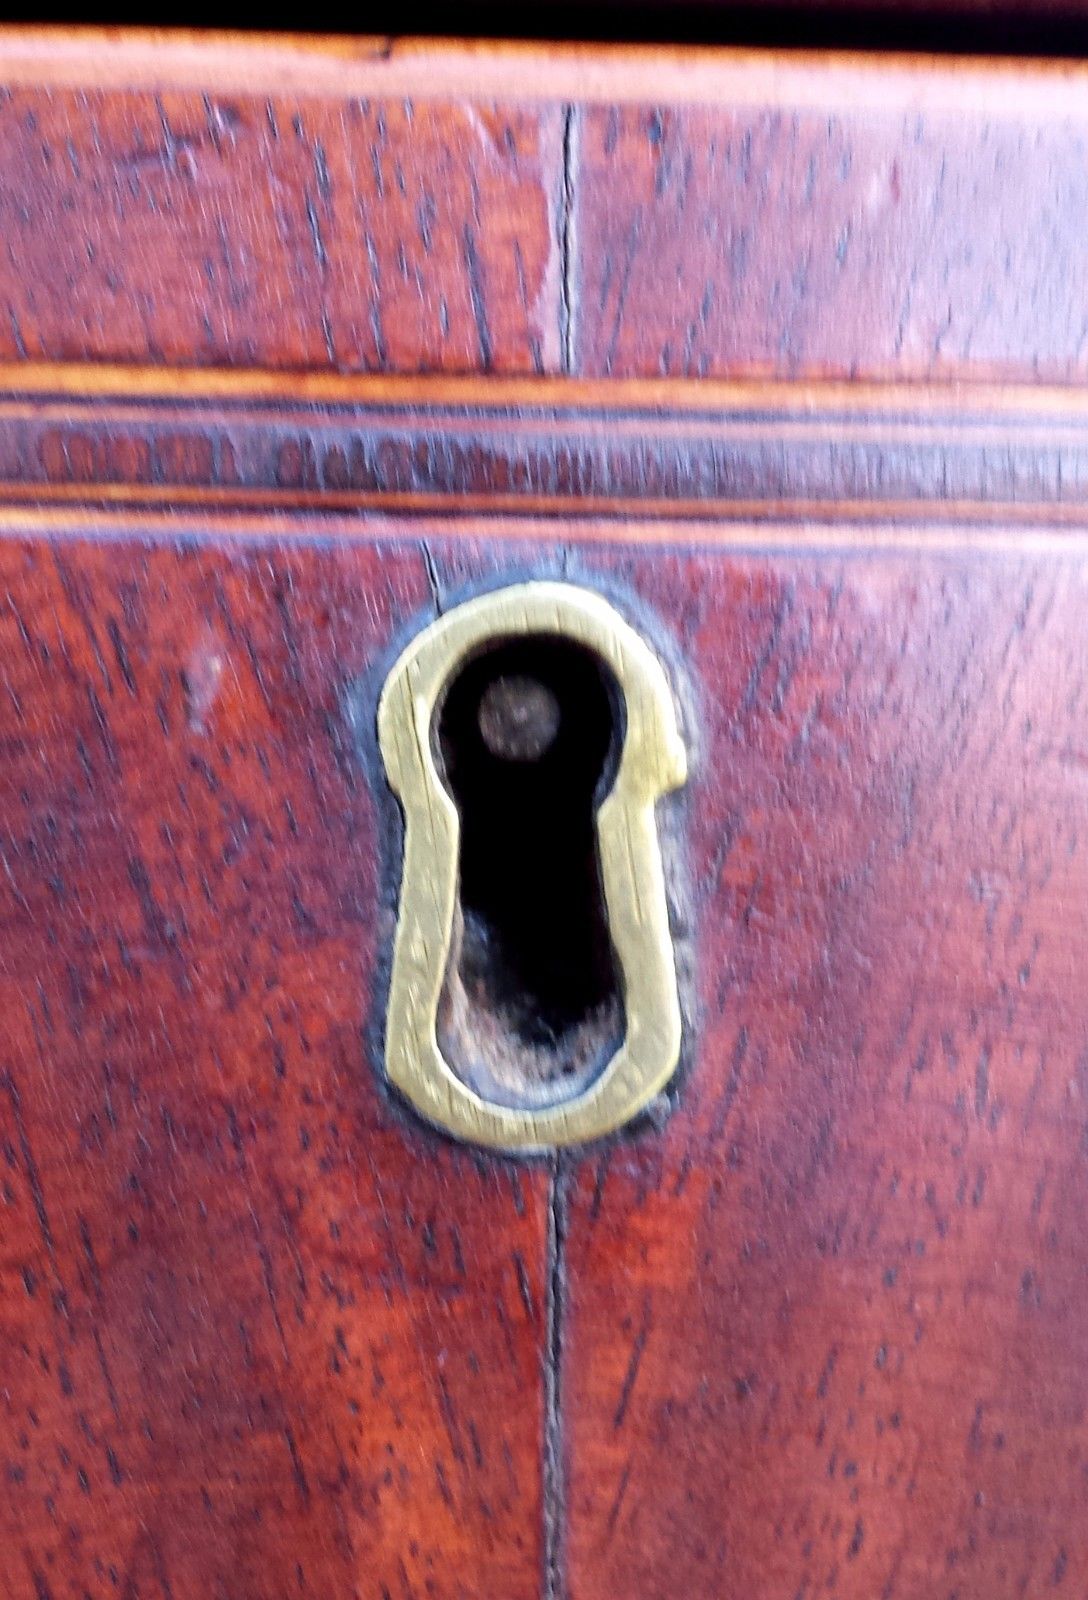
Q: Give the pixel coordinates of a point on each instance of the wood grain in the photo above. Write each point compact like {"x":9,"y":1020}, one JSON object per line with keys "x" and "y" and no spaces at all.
{"x":827,"y":1332}
{"x":266,"y":1336}
{"x":197,"y":229}
{"x":360,"y":206}
{"x":260,"y":1335}
{"x":556,"y":447}
{"x":807,"y":242}
{"x":778,"y":353}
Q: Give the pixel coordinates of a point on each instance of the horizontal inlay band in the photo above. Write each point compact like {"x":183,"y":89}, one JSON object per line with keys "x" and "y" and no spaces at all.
{"x":237,"y":440}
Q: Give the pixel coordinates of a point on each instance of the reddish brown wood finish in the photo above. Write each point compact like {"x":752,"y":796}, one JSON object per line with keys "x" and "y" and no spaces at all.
{"x":179,"y":227}
{"x":717,"y":452}
{"x":828,"y":1333}
{"x":260,"y":1335}
{"x":360,"y":205}
{"x":822,"y":1330}
{"x":829,"y":241}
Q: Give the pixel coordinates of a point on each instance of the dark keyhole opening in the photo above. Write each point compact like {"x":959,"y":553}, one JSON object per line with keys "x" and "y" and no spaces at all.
{"x":528,"y":736}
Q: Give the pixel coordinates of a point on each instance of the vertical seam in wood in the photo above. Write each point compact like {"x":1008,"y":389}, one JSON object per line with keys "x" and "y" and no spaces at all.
{"x":554,"y":1477}
{"x":566,"y":245}
{"x":432,"y":578}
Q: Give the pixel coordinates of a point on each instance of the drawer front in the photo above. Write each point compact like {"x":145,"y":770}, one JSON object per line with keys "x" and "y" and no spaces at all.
{"x":813,"y":1323}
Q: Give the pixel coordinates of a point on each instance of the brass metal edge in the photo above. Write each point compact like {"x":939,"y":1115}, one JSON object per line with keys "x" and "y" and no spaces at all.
{"x":653,"y":761}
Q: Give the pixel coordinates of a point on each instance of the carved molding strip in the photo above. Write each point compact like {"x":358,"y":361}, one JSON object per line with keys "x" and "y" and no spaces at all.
{"x":547,"y":448}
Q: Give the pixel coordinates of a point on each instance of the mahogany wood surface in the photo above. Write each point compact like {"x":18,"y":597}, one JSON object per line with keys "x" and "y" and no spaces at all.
{"x":715,"y":452}
{"x":368,"y":205}
{"x":261,"y":1335}
{"x":302,"y":341}
{"x":826,"y":1327}
{"x":252,"y":230}
{"x":828,"y":1333}
{"x":827,"y":241}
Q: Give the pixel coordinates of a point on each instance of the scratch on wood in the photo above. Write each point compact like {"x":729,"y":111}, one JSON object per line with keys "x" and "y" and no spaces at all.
{"x":631,"y":1375}
{"x":474,"y":269}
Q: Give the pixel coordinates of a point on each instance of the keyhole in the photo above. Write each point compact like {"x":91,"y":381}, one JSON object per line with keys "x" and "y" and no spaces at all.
{"x":529,"y":733}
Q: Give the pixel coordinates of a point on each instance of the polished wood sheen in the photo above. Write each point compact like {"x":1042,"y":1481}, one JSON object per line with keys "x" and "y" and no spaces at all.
{"x":370,"y":205}
{"x":715,"y":452}
{"x":828,"y":1333}
{"x":261,"y":1333}
{"x":303,"y":343}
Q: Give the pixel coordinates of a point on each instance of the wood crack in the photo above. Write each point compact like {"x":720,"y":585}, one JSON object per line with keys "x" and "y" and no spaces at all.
{"x":566,"y":245}
{"x":554,"y":1478}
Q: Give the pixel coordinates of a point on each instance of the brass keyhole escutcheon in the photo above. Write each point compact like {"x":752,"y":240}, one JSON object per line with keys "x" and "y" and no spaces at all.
{"x":528,"y":735}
